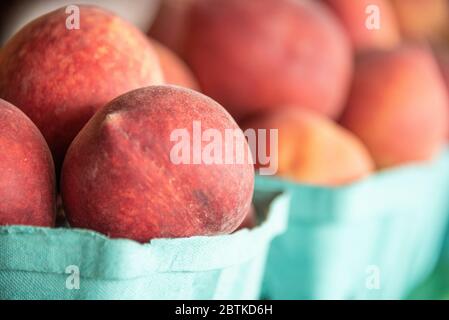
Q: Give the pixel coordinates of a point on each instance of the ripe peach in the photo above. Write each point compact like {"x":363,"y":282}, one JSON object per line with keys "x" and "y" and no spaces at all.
{"x":313,"y":149}
{"x":61,"y":76}
{"x":120,"y":178}
{"x":27,"y":177}
{"x":398,"y":105}
{"x":355,"y":15}
{"x":252,"y":56}
{"x":174,"y":69}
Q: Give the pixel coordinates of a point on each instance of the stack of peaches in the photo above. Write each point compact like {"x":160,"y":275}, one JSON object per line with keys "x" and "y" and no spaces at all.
{"x":88,"y":106}
{"x":352,"y":86}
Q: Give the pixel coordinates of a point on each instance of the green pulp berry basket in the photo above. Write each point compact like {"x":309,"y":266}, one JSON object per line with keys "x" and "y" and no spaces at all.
{"x":436,"y":286}
{"x":375,"y":239}
{"x":44,"y":263}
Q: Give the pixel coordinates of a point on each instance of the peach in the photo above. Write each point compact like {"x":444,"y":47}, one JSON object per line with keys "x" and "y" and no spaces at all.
{"x":398,"y":105}
{"x":175,"y":71}
{"x":27,"y":177}
{"x":254,"y":56}
{"x":354,"y":16}
{"x":423,"y":19}
{"x":313,"y":149}
{"x":169,"y":25}
{"x":120,"y":177}
{"x":61,"y":76}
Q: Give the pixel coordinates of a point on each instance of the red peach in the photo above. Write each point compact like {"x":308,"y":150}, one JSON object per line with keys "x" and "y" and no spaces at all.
{"x":119,"y":176}
{"x":398,"y":105}
{"x":354,"y":16}
{"x":253,"y":56}
{"x":313,"y":149}
{"x":174,"y":69}
{"x":27,"y":177}
{"x":60,"y":76}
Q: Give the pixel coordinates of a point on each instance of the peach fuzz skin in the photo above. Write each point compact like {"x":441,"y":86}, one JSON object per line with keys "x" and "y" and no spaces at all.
{"x":27,"y":176}
{"x":61,"y":77}
{"x":119,"y":179}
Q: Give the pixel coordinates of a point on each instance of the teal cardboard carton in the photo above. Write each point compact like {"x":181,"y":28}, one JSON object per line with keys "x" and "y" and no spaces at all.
{"x":43,"y":263}
{"x":375,"y":239}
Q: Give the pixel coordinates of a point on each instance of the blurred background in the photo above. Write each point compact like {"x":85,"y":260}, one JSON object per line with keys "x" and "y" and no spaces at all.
{"x":15,"y":14}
